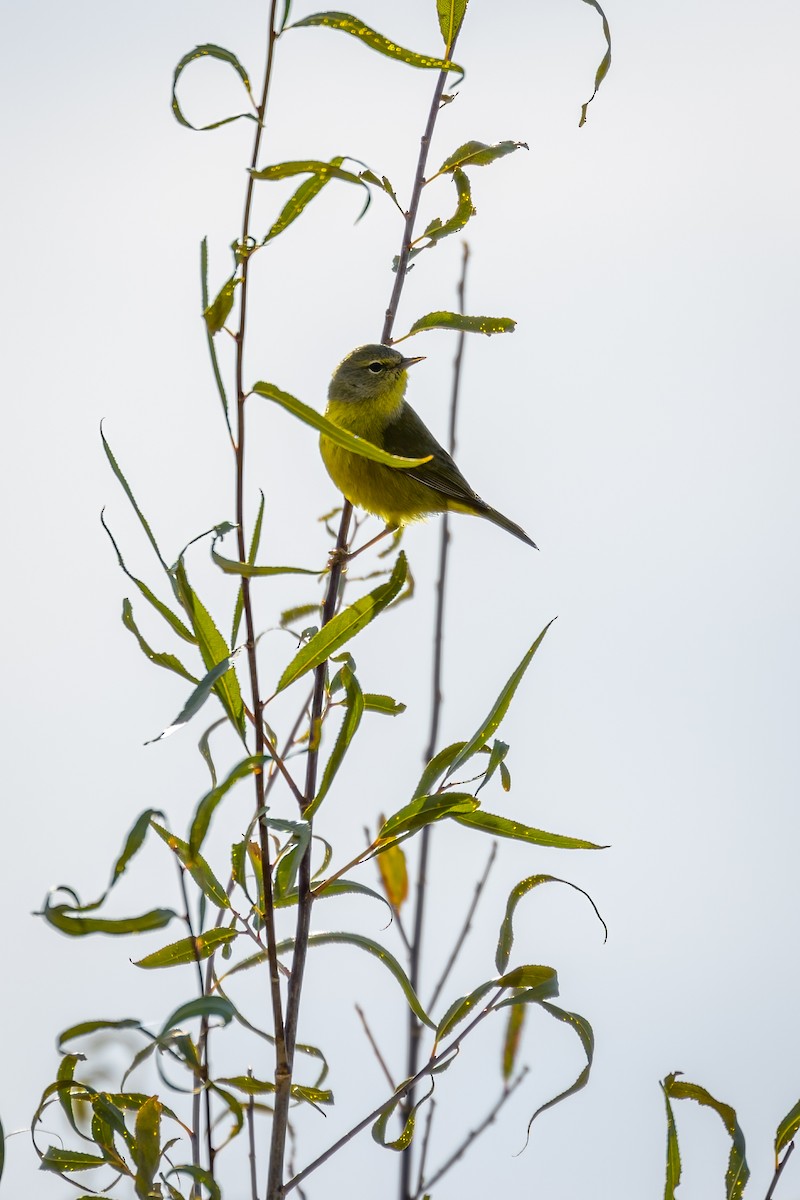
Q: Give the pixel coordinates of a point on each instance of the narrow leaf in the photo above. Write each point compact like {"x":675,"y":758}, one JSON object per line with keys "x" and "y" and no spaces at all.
{"x":584,"y":1031}
{"x":506,"y":938}
{"x":203,"y":1006}
{"x":321,"y":174}
{"x":674,"y":1169}
{"x":478,"y":154}
{"x":197,"y":867}
{"x":169,"y":616}
{"x":251,"y":558}
{"x":63,"y":918}
{"x":212,"y":350}
{"x":344,"y":626}
{"x":787,"y":1129}
{"x":354,"y":710}
{"x":394,"y":875}
{"x":146,"y":1150}
{"x":605,"y":63}
{"x":376,"y":41}
{"x":216,"y":314}
{"x":232,"y":567}
{"x":115,"y":467}
{"x":496,"y":756}
{"x":451,"y":15}
{"x":188,"y":950}
{"x":452,"y":320}
{"x":464,"y":210}
{"x":373,"y":702}
{"x":436,"y":768}
{"x":205,"y":809}
{"x":213,"y":650}
{"x":511,"y":1041}
{"x":501,"y":827}
{"x":404,"y":1140}
{"x":159,"y":658}
{"x":426,"y":809}
{"x":70,"y":1160}
{"x":357,"y":445}
{"x":209,"y":51}
{"x":498,"y":710}
{"x":198,"y":697}
{"x":738,"y":1172}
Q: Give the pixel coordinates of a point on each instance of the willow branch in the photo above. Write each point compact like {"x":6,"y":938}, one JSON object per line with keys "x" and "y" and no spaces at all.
{"x":779,"y":1171}
{"x":465,"y":928}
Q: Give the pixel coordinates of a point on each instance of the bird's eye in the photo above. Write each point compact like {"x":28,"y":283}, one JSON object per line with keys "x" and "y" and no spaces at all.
{"x":376,"y":368}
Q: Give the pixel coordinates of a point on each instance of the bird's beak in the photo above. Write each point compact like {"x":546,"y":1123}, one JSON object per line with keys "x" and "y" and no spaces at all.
{"x":409,"y":362}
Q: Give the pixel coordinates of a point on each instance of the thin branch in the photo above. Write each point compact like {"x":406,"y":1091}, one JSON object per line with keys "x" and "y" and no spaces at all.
{"x":415,"y":956}
{"x":461,"y":1150}
{"x":375,"y":1048}
{"x":435,"y":1061}
{"x":202,"y":1045}
{"x":251,"y":1136}
{"x":479,"y":886}
{"x":779,"y":1171}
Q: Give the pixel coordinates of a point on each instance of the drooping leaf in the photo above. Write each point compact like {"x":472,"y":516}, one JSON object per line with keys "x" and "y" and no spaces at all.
{"x":353,"y":712}
{"x":158,"y":658}
{"x":210,"y":51}
{"x":465,"y":209}
{"x":376,"y":41}
{"x":202,"y":1006}
{"x":169,"y":616}
{"x":454,"y":320}
{"x":605,"y":63}
{"x":65,"y":918}
{"x":542,"y":980}
{"x":394,"y":875}
{"x":478,"y":154}
{"x":344,"y":626}
{"x":205,"y":808}
{"x":70,"y":1160}
{"x":197,"y":867}
{"x":584,"y":1031}
{"x":496,"y":756}
{"x":404,"y":1140}
{"x":498,"y":826}
{"x":321,"y":173}
{"x":188,"y":950}
{"x":451,"y":15}
{"x":506,"y":938}
{"x":498,"y":710}
{"x":213,"y":649}
{"x":232,"y":567}
{"x":341,"y":437}
{"x":198,"y":697}
{"x":424,"y":810}
{"x":787,"y":1129}
{"x":436,"y":768}
{"x":674,"y":1168}
{"x":374,"y":702}
{"x":511,"y":1041}
{"x":738,"y":1172}
{"x":212,"y":350}
{"x":258,"y":1087}
{"x":216,"y":314}
{"x":200,"y":1176}
{"x":384,"y":184}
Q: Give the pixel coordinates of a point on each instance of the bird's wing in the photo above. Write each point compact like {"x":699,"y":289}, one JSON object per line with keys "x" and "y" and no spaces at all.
{"x":410,"y":437}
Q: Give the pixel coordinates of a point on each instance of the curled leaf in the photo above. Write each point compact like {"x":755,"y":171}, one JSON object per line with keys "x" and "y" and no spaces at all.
{"x":209,"y":51}
{"x":376,"y":41}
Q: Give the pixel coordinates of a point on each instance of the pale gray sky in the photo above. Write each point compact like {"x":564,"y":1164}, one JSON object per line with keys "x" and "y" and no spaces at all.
{"x":642,"y":424}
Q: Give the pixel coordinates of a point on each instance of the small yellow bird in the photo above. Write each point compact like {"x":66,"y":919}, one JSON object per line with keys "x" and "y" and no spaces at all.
{"x":367,"y":397}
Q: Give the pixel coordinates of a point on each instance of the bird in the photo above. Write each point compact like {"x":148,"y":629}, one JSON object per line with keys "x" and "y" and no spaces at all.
{"x":366,"y":397}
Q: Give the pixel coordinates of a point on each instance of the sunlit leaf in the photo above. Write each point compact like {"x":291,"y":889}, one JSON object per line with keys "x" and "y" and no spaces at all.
{"x":404,"y":1140}
{"x":210,"y":51}
{"x":787,"y":1129}
{"x":454,"y":320}
{"x":394,"y":875}
{"x":321,"y":173}
{"x":478,"y":154}
{"x":197,"y":867}
{"x":344,"y":626}
{"x":70,"y":1160}
{"x":205,"y":809}
{"x":674,"y":1169}
{"x":738,"y":1172}
{"x":146,"y":1150}
{"x":159,"y":658}
{"x":376,"y":41}
{"x":605,"y":63}
{"x":200,"y":1176}
{"x":436,"y":768}
{"x":496,"y":756}
{"x":541,"y":980}
{"x":341,"y":437}
{"x":511,"y":1041}
{"x":451,"y":15}
{"x":584,"y":1031}
{"x":502,"y":827}
{"x":216,"y":314}
{"x":256,"y":1087}
{"x":374,"y":702}
{"x":465,"y":209}
{"x":188,"y":950}
{"x":506,"y":938}
{"x":64,"y":918}
{"x":426,"y":809}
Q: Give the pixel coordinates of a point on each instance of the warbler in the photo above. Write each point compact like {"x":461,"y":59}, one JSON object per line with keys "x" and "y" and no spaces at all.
{"x":367,"y":397}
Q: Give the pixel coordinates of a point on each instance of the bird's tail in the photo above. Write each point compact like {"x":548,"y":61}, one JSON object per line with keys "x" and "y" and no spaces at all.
{"x":497,"y":518}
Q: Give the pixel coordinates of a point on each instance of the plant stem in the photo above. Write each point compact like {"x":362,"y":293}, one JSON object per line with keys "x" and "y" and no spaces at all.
{"x":779,"y":1171}
{"x":202,"y":1047}
{"x":257,"y":703}
{"x":414,"y":1027}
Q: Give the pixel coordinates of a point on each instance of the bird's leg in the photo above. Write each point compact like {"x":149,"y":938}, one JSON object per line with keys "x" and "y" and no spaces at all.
{"x":345,"y":556}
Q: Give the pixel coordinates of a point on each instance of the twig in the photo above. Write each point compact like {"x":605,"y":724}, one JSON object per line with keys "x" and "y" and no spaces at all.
{"x":403,"y":1090}
{"x":479,"y":886}
{"x":376,"y":1050}
{"x":251,"y":1133}
{"x":414,"y":1027}
{"x":423,"y":1157}
{"x":202,"y":1042}
{"x":779,"y":1171}
{"x":475,"y":1133}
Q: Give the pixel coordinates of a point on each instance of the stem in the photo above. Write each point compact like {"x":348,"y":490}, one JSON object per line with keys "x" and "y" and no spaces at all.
{"x":251,"y":1137}
{"x":779,"y":1171}
{"x":414,"y":1027}
{"x":257,"y":702}
{"x":202,"y":1046}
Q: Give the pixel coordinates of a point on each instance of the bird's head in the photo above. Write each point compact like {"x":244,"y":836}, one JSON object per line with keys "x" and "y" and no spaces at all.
{"x":371,"y":373}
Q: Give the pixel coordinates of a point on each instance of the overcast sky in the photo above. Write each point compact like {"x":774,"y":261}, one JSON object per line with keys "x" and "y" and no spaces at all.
{"x":642,"y":424}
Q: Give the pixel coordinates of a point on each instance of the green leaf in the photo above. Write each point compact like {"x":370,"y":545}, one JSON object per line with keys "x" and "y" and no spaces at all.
{"x":404,"y":1140}
{"x":674,"y":1170}
{"x":205,"y":808}
{"x":146,"y":1150}
{"x":452,"y":320}
{"x":216,"y":314}
{"x":70,"y":1160}
{"x":506,"y":938}
{"x":160,"y":659}
{"x":188,"y":950}
{"x":584,"y":1031}
{"x":436,"y":768}
{"x":357,"y":445}
{"x":251,"y":558}
{"x":210,"y":51}
{"x":738,"y":1171}
{"x":377,"y":951}
{"x":787,"y":1129}
{"x":205,"y":749}
{"x":64,"y":918}
{"x":501,"y":827}
{"x":212,"y":350}
{"x":478,"y":154}
{"x":451,"y":15}
{"x":212,"y":648}
{"x":344,"y":626}
{"x":231,"y":567}
{"x":497,"y":754}
{"x":197,"y":867}
{"x":543,"y":981}
{"x":465,"y":209}
{"x":115,"y":467}
{"x":498,"y":710}
{"x":354,"y":711}
{"x":511,"y":1041}
{"x":384,"y":184}
{"x":374,"y":702}
{"x":199,"y":1176}
{"x":169,"y":616}
{"x":203,"y":1006}
{"x":424,"y":810}
{"x":290,"y":615}
{"x":376,"y":41}
{"x":605,"y":63}
{"x":257,"y":1087}
{"x":321,"y":174}
{"x":198,"y":697}
{"x":87,"y":1027}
